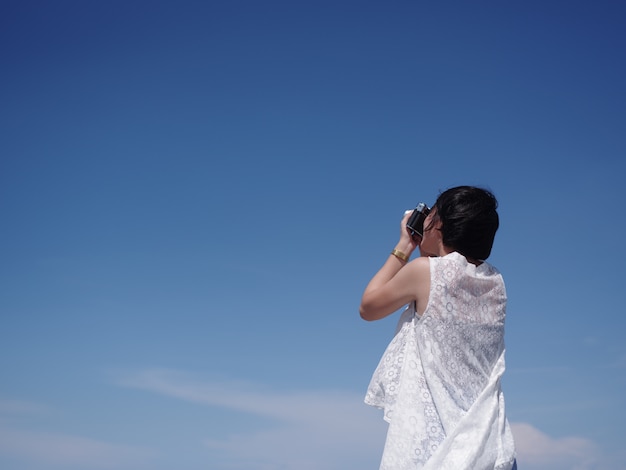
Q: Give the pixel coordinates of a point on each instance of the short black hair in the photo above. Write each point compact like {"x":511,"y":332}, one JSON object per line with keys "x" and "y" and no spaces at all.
{"x":469,"y":220}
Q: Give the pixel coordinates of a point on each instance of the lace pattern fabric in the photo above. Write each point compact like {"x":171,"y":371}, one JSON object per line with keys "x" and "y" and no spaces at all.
{"x":438,"y":381}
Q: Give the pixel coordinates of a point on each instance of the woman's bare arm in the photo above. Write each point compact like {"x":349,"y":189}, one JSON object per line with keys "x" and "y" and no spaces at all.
{"x":397,"y":282}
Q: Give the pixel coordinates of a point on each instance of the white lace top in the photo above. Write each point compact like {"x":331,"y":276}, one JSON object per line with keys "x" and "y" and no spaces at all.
{"x":438,"y":382}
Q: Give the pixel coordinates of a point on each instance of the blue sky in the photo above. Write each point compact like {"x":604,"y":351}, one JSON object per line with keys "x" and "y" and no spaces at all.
{"x":194,"y":195}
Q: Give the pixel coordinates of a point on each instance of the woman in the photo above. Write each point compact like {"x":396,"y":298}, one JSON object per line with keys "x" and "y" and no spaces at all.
{"x":438,"y":382}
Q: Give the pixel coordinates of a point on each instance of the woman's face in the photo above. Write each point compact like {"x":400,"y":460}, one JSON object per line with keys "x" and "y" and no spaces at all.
{"x":431,"y":241}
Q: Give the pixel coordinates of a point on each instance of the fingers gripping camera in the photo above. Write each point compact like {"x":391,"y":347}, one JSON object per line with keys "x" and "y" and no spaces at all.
{"x":415,"y":224}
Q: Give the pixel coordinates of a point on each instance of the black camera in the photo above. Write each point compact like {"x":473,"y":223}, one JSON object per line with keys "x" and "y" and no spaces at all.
{"x":415,"y":224}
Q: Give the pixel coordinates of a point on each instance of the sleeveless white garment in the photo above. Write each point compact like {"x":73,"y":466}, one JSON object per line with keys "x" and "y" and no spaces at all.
{"x":438,"y":381}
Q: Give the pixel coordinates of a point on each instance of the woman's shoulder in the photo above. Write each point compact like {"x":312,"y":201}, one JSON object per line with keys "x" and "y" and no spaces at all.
{"x":456,"y":262}
{"x":420,"y":267}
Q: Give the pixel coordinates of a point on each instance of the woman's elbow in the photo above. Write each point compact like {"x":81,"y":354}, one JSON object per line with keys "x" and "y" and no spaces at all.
{"x":363,"y":313}
{"x":367,"y":313}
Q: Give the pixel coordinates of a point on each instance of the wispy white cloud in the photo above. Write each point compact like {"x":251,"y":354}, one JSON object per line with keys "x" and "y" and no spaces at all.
{"x":327,"y":429}
{"x":537,"y":451}
{"x":311,"y":430}
{"x":246,"y":396}
{"x":303,"y":430}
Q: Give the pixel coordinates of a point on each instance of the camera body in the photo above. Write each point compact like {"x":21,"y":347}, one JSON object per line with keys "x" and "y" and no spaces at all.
{"x":415,"y":224}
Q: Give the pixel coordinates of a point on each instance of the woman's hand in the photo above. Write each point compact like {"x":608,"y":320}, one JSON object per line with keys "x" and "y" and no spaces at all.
{"x":406,"y":244}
